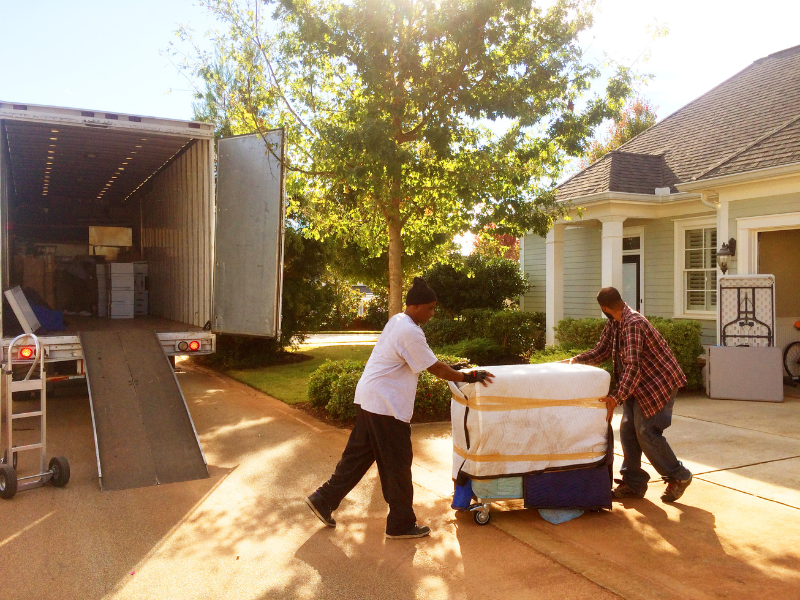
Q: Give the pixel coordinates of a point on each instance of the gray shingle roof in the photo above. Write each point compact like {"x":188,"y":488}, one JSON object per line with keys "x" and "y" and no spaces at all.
{"x":710,"y":136}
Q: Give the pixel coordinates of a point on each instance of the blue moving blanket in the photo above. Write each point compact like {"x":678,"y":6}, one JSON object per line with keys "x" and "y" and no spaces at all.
{"x":51,"y":320}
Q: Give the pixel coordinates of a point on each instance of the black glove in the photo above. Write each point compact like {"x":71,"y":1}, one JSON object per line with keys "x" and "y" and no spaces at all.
{"x":475,"y":376}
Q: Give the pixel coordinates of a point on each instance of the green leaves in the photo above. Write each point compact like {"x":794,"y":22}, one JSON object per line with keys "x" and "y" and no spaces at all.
{"x":439,"y":115}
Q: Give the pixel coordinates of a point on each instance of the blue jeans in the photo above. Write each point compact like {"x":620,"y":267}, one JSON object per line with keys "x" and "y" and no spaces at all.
{"x":638,"y":435}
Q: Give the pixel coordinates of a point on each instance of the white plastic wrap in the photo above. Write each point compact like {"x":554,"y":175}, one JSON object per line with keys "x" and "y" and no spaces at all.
{"x":531,"y":418}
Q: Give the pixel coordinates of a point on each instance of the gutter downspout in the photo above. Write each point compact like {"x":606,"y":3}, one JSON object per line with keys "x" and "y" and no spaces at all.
{"x":704,"y":199}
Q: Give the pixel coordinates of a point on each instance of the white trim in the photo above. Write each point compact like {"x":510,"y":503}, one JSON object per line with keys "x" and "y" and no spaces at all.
{"x":765,"y":173}
{"x":637,"y":232}
{"x":747,"y":230}
{"x":680,"y":226}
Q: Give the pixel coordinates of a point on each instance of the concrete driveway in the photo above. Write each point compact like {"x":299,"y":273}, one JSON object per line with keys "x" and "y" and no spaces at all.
{"x":246,"y":533}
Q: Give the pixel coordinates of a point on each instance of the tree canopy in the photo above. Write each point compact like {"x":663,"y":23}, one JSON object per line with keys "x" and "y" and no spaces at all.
{"x":408,"y":121}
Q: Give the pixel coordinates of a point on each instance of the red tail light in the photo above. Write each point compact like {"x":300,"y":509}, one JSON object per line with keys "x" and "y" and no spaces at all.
{"x":26,"y":352}
{"x":194,"y":345}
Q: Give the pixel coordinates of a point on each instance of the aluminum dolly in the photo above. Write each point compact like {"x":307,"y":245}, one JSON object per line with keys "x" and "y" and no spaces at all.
{"x":58,"y":469}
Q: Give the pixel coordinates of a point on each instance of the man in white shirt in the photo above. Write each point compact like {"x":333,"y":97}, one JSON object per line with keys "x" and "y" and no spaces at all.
{"x":385,"y":398}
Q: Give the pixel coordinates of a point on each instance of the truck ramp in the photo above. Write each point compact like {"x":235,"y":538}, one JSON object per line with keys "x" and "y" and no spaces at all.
{"x":144,"y":433}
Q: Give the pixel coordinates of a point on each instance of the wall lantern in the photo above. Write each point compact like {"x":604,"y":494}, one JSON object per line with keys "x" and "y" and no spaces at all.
{"x":724,"y":254}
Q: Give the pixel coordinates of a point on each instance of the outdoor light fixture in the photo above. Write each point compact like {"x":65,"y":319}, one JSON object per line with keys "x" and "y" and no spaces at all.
{"x":724,"y":254}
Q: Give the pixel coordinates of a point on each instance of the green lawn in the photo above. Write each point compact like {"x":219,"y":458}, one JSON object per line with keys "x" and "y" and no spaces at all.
{"x":289,"y":382}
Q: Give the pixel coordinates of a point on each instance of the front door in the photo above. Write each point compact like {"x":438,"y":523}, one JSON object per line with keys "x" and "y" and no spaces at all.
{"x":631,"y":281}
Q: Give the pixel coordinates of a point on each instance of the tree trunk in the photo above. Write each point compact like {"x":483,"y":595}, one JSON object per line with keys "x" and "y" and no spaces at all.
{"x":395,"y":257}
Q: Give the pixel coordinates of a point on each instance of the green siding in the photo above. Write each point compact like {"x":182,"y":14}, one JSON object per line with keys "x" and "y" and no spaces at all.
{"x":659,"y":265}
{"x":533,"y":265}
{"x":582,"y":271}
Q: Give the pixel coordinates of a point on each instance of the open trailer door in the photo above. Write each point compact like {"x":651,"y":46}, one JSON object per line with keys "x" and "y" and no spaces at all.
{"x":248,"y":263}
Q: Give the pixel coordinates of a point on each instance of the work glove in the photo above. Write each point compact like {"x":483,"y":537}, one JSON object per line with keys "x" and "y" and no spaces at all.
{"x":475,"y":376}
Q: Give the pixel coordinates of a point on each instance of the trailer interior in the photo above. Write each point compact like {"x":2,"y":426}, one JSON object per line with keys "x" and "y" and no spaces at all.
{"x":114,"y":188}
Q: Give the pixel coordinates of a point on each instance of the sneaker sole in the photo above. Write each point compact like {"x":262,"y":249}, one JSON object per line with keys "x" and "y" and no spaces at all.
{"x":319,"y":516}
{"x":408,"y":536}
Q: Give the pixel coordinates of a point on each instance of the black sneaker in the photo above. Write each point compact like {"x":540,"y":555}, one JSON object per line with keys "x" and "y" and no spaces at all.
{"x":623,"y":490}
{"x":417,"y":531}
{"x":675,"y":488}
{"x":318,"y":508}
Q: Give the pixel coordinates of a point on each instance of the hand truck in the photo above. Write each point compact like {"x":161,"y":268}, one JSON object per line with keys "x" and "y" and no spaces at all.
{"x":58,"y":468}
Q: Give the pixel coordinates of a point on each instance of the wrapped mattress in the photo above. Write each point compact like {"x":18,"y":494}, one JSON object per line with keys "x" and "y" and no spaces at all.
{"x":531,"y":418}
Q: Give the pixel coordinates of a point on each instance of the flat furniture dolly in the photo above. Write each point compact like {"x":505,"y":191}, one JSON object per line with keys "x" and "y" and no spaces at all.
{"x":29,"y":350}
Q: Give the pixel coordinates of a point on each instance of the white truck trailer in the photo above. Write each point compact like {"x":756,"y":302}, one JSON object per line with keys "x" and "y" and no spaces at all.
{"x":210,"y":232}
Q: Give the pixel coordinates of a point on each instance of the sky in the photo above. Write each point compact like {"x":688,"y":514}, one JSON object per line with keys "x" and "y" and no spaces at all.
{"x":109,"y":55}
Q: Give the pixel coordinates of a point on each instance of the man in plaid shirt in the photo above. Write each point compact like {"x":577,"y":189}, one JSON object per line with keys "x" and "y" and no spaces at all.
{"x":647,"y":379}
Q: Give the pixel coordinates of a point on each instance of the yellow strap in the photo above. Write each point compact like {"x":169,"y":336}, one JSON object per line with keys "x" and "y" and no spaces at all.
{"x":524,"y":457}
{"x":495,"y":403}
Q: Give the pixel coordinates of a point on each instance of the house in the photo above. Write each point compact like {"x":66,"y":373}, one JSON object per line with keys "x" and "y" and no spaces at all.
{"x":655,"y":211}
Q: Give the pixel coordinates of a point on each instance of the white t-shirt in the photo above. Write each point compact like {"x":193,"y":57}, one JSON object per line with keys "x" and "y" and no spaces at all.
{"x":389,"y":383}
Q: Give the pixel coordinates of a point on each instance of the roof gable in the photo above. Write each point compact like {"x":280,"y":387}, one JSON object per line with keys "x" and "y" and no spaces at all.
{"x":701,"y":138}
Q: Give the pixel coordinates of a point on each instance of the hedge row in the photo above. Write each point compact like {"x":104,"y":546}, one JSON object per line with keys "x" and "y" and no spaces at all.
{"x":484,"y":336}
{"x":333,"y":387}
{"x":578,"y":335}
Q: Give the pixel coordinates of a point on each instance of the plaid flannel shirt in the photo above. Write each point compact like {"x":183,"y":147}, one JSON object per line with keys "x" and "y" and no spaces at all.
{"x":649,"y":369}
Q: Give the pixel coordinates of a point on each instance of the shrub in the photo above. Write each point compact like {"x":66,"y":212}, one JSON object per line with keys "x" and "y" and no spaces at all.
{"x":482,"y":351}
{"x":487,"y":336}
{"x":476,"y":281}
{"x":322,"y":381}
{"x":579,"y":333}
{"x":552,"y":354}
{"x":341,"y":406}
{"x":333,"y":385}
{"x":518,"y":333}
{"x":442,"y":331}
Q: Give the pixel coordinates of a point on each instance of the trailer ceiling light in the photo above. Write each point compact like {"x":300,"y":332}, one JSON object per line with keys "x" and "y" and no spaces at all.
{"x":26,"y":352}
{"x":54,"y":139}
{"x":194,"y":345}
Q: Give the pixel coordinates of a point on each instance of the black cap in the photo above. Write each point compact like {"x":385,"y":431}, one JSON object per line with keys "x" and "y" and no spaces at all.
{"x":420,"y":293}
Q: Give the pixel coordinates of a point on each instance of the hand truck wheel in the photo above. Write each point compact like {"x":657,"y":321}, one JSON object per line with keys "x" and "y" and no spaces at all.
{"x":8,"y":481}
{"x":60,"y":468}
{"x":482,"y":518}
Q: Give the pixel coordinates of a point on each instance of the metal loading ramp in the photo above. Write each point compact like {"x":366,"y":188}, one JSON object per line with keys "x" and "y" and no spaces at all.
{"x":144,"y":433}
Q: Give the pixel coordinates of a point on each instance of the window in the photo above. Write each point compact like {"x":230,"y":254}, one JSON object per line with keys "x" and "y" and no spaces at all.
{"x":700,"y":269}
{"x":695,"y":268}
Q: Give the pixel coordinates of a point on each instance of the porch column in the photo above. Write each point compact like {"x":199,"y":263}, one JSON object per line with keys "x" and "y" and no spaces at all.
{"x":611,"y":271}
{"x":554,"y":277}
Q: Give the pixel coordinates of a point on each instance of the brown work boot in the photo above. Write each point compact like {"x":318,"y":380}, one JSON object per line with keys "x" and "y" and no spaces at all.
{"x":623,"y":490}
{"x":675,"y":488}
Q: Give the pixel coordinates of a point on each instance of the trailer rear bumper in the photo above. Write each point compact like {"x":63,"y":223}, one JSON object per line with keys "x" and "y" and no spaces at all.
{"x":59,"y":348}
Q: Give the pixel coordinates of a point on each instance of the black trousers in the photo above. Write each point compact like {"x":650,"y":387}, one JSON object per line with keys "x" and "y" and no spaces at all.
{"x":387,"y":441}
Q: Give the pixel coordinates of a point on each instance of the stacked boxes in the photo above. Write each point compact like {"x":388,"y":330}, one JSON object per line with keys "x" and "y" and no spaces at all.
{"x":121,"y":290}
{"x":102,"y":291}
{"x":140,"y":288}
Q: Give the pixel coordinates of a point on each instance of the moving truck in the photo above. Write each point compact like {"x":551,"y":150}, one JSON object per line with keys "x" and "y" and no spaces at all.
{"x":84,"y":190}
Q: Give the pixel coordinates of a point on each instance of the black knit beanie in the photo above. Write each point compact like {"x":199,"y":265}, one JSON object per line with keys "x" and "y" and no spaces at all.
{"x":420,"y":293}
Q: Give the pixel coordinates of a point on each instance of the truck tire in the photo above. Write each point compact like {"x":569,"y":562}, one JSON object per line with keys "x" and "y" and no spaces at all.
{"x":60,"y":468}
{"x":8,"y":481}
